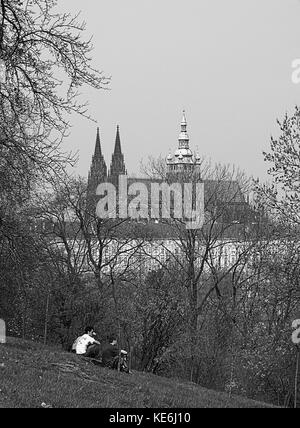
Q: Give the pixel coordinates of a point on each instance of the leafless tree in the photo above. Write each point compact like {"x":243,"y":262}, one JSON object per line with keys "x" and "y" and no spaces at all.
{"x":44,"y":61}
{"x":221,"y":249}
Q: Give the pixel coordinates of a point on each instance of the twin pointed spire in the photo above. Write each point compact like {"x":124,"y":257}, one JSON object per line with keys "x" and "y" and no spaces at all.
{"x":98,"y":151}
{"x":98,"y":167}
{"x":118,"y":149}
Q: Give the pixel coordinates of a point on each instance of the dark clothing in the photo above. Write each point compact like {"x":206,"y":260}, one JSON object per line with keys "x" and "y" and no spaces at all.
{"x":110,"y":354}
{"x":93,"y":351}
{"x":115,"y":363}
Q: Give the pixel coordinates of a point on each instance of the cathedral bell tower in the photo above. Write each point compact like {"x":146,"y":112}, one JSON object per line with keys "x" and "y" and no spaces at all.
{"x":98,"y":170}
{"x":183,"y":161}
{"x":117,"y":166}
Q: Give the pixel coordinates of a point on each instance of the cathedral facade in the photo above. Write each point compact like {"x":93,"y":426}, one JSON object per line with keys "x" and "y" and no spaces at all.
{"x":159,"y":237}
{"x":183,"y":166}
{"x":183,"y":161}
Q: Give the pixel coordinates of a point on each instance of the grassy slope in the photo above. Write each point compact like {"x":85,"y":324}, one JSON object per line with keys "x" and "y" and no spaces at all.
{"x":30,"y":376}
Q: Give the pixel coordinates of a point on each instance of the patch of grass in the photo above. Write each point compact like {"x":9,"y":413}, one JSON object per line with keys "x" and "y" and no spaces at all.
{"x":32,"y":376}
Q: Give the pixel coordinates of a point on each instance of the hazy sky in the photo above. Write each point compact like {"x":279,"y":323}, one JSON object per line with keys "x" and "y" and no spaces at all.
{"x":226,"y":62}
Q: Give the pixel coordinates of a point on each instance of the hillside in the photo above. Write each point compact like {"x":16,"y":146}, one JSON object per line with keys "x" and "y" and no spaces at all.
{"x":32,"y":375}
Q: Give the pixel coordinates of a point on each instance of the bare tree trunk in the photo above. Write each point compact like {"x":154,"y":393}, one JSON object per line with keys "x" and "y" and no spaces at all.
{"x":232,"y":369}
{"x":46,"y":318}
{"x":117,"y":312}
{"x":193,"y":338}
{"x":23,"y":325}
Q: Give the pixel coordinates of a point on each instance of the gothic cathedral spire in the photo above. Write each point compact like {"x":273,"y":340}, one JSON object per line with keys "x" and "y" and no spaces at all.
{"x":117,"y":166}
{"x":98,"y":170}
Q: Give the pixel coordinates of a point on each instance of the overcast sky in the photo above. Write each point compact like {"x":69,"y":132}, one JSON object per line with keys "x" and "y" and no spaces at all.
{"x":226,"y":62}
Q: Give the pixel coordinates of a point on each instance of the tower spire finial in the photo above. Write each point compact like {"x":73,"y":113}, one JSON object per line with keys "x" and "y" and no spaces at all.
{"x":183,"y":137}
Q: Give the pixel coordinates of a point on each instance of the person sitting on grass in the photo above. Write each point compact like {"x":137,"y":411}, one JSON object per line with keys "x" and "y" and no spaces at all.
{"x":110,"y":353}
{"x":86,"y":345}
{"x":112,"y":357}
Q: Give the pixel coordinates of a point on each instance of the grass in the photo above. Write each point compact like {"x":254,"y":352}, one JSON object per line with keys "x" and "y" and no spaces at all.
{"x":33,"y":376}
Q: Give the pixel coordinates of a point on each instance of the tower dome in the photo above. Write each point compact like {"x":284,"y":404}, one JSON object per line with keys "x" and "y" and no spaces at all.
{"x":183,"y":158}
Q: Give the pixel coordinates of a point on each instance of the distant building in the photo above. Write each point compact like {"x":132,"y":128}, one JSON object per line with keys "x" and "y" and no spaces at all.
{"x":178,"y":166}
{"x":145,"y":245}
